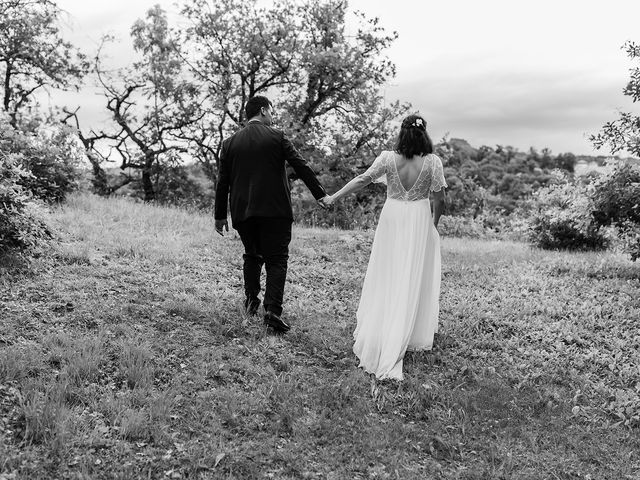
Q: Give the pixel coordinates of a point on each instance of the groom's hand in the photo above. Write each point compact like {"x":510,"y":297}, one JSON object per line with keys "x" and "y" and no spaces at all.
{"x":325,"y":202}
{"x":221,"y":226}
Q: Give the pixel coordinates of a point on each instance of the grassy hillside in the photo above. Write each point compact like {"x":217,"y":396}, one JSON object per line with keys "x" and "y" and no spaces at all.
{"x":124,"y":353}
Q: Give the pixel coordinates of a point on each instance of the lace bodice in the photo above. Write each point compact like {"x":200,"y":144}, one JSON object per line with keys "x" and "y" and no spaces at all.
{"x":430,"y":179}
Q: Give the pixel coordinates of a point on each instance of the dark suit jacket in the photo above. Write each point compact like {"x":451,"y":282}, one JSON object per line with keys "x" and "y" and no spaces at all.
{"x":252,"y":173}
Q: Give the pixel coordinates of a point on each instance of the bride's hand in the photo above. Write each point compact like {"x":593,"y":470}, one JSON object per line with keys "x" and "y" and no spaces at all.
{"x":324,"y":201}
{"x":327,"y":201}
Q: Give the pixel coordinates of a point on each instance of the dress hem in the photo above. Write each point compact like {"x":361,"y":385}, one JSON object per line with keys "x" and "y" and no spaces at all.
{"x":382,"y":377}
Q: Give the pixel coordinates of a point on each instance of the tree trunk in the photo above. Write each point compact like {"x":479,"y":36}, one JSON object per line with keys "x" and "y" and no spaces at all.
{"x":99,"y":182}
{"x":210,"y":170}
{"x":7,"y":96}
{"x":147,"y":183}
{"x":7,"y":87}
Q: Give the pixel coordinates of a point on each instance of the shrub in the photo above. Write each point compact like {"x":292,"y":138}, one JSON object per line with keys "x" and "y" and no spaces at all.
{"x":457,"y":226}
{"x":616,"y":201}
{"x":464,"y":195}
{"x":353,"y":212}
{"x":52,"y":156}
{"x":183,"y":186}
{"x":563,"y":219}
{"x":21,"y":223}
{"x":513,"y":226}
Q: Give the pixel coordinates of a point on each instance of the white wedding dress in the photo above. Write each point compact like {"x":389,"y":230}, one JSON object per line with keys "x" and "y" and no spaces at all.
{"x":399,"y":305}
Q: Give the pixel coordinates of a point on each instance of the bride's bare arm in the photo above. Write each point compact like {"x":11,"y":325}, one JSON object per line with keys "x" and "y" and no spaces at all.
{"x":355,"y":185}
{"x":438,"y":206}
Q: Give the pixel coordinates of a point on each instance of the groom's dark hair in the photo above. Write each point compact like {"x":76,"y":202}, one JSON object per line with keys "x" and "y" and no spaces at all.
{"x":413,"y":138}
{"x":253,"y":106}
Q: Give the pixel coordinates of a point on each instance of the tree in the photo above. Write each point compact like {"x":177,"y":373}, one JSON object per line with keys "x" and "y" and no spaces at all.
{"x":624,"y":133}
{"x":326,"y":82}
{"x":616,"y":193}
{"x":566,"y":161}
{"x":95,"y":155}
{"x":151,"y":104}
{"x":33,"y":54}
{"x":187,"y":92}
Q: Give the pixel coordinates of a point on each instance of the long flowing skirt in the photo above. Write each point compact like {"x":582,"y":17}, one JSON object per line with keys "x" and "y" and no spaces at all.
{"x":399,"y":305}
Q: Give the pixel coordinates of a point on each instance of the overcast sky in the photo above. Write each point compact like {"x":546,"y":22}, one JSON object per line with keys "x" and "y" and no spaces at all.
{"x":543,"y":73}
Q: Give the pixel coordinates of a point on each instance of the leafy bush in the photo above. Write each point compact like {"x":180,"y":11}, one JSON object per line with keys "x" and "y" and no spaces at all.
{"x":183,"y":186}
{"x":457,"y":226}
{"x":563,"y":219}
{"x":514,"y":226}
{"x":52,"y":157}
{"x":21,"y":223}
{"x":616,"y":201}
{"x":353,"y":212}
{"x":464,"y":195}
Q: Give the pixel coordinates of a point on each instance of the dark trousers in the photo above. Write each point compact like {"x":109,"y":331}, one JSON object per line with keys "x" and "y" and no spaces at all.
{"x":266,"y":242}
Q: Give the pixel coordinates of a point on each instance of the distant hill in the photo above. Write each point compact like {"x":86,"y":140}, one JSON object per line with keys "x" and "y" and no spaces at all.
{"x":463,"y":145}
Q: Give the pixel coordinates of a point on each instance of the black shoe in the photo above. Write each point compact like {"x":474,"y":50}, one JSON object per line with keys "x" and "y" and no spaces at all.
{"x":251,"y":305}
{"x":274,"y":321}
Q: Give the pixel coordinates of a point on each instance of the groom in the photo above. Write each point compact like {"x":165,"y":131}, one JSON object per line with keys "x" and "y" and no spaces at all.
{"x":252,"y":173}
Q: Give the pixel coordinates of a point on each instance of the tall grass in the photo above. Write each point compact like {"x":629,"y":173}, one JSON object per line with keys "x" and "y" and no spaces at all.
{"x":129,"y":356}
{"x":126,"y":228}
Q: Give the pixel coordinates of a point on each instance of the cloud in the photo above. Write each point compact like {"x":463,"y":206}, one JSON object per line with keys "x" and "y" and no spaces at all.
{"x":522,"y":108}
{"x":538,"y":73}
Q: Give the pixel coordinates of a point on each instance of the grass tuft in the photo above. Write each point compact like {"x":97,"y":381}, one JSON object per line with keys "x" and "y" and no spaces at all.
{"x":136,"y":364}
{"x":20,"y":361}
{"x":44,"y":416}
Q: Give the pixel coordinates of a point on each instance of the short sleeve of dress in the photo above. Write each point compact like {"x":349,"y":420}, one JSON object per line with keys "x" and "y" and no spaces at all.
{"x":377,"y":169}
{"x":437,"y":181}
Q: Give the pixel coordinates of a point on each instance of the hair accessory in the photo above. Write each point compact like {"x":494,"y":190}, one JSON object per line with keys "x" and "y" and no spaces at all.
{"x":418,"y":122}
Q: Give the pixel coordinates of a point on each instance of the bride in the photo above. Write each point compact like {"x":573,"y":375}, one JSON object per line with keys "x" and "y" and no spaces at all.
{"x":399,"y":305}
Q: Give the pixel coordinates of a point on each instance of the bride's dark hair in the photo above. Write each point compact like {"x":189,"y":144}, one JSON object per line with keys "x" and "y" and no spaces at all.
{"x":413,"y":138}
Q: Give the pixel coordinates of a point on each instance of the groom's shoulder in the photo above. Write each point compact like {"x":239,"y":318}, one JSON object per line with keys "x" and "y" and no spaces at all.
{"x":261,"y":126}
{"x":275,"y":131}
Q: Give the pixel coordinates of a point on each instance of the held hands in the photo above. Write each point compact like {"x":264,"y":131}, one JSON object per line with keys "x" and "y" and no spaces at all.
{"x":326,"y":201}
{"x":221,"y":226}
